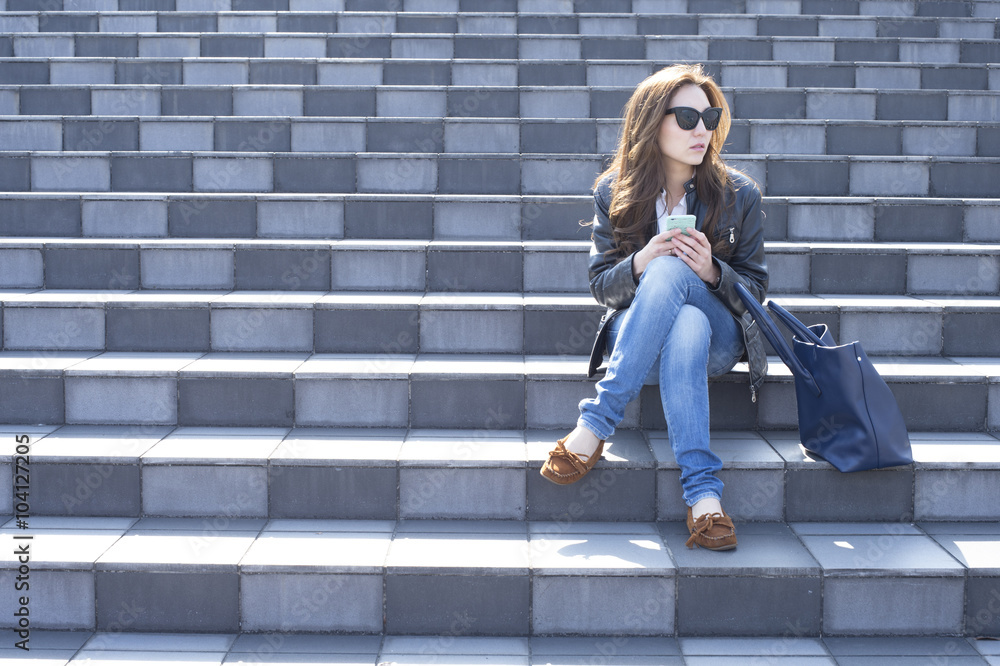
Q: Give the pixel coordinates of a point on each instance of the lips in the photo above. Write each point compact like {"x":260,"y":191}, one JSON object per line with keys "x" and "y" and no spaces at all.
{"x":698,"y":146}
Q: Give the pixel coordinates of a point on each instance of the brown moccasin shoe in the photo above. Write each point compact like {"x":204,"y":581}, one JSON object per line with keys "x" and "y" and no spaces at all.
{"x":565,"y":467}
{"x":713,"y":531}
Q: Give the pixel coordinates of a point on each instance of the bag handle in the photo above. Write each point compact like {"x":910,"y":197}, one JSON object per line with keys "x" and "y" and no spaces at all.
{"x":797,"y":328}
{"x":774,"y":336}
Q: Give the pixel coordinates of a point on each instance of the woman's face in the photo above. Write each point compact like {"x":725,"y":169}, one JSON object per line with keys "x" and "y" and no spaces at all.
{"x":679,"y":146}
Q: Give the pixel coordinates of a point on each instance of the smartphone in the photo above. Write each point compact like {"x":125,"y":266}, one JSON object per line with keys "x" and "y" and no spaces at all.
{"x":679,"y":222}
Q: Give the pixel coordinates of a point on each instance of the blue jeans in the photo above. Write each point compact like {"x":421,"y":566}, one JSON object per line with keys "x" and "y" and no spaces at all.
{"x":680,"y":333}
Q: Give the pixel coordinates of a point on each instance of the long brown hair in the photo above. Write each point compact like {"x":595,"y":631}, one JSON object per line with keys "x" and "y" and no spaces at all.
{"x":639,"y":163}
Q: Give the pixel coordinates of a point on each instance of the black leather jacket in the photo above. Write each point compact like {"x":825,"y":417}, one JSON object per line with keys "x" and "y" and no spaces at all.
{"x":612,"y":283}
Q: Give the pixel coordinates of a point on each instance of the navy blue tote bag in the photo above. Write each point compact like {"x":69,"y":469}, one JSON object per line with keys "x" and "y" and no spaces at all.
{"x":847,"y":414}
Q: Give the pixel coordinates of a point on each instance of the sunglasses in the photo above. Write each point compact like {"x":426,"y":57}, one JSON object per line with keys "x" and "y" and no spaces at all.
{"x":687,"y":118}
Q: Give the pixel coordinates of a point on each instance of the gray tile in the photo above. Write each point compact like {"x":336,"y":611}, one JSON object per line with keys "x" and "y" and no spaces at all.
{"x":67,"y":328}
{"x":388,"y":219}
{"x":961,"y":405}
{"x":121,"y":400}
{"x":301,"y":73}
{"x":876,"y":495}
{"x":187,"y":269}
{"x":124,"y":218}
{"x":234,"y":401}
{"x":893,"y":606}
{"x":47,"y":101}
{"x":952,"y":495}
{"x":354,"y":493}
{"x":981,"y":618}
{"x":147,"y":72}
{"x":303,"y":173}
{"x":328,"y":135}
{"x":457,"y":268}
{"x":58,"y":600}
{"x":345,"y":101}
{"x":20,"y":217}
{"x":85,"y":490}
{"x":958,"y":180}
{"x":417,"y":604}
{"x":262,"y":329}
{"x":855,"y":273}
{"x":393,"y":331}
{"x":914,"y":105}
{"x":192,"y":101}
{"x":496,"y":403}
{"x":482,"y":137}
{"x":269,"y":602}
{"x":480,"y":103}
{"x":253,"y":136}
{"x":927,"y":223}
{"x":289,"y":269}
{"x":146,"y":601}
{"x":478,"y":176}
{"x":300,"y":219}
{"x":211,"y":218}
{"x":151,"y":174}
{"x":444,"y":492}
{"x":219,"y":174}
{"x":70,"y":173}
{"x":764,"y":606}
{"x":608,"y":494}
{"x":379,"y":270}
{"x":234,"y":491}
{"x":457,"y":331}
{"x":351,"y":401}
{"x":31,"y":400}
{"x":639,"y":605}
{"x":91,"y":268}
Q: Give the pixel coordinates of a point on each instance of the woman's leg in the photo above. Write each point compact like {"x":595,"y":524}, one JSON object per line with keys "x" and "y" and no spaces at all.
{"x":665,"y":286}
{"x":705,"y":340}
{"x":694,"y":336}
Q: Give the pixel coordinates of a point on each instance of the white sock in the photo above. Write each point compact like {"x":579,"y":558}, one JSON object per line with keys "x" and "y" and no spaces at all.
{"x":707,"y":505}
{"x":582,"y":442}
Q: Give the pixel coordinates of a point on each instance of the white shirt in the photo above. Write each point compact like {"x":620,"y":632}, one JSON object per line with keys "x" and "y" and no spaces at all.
{"x":661,"y":210}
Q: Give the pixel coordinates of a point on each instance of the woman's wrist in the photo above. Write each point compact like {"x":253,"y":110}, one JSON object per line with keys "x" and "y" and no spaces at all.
{"x":715,"y":277}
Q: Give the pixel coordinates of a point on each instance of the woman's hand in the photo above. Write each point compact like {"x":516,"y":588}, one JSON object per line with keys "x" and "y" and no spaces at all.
{"x":693,"y":250}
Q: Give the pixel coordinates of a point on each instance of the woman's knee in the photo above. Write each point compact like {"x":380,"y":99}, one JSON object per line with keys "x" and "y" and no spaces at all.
{"x":690,"y":336}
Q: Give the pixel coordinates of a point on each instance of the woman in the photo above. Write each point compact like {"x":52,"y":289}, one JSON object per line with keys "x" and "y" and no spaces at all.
{"x":681,"y":320}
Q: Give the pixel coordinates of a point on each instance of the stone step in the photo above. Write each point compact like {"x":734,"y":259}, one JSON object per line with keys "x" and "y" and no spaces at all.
{"x":363,"y":322}
{"x":497,"y":23}
{"x":496,"y":391}
{"x":467,"y":173}
{"x":555,"y":8}
{"x":781,"y":650}
{"x":383,"y":70}
{"x":508,"y":579}
{"x":396,"y":474}
{"x":501,"y":98}
{"x":507,"y":136}
{"x":530,"y":267}
{"x":259,"y":40}
{"x":461,"y":217}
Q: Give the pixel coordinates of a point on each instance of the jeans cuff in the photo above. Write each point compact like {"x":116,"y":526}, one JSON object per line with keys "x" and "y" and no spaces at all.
{"x":581,"y":422}
{"x":691,"y":502}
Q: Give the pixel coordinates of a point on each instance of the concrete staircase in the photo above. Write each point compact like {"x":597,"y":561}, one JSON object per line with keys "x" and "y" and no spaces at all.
{"x":294,"y":304}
